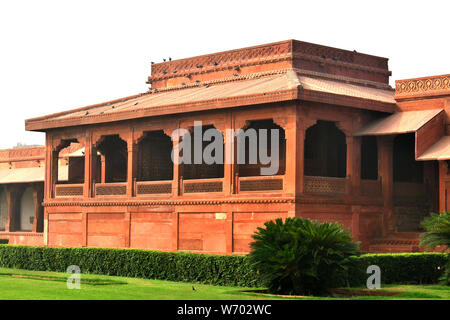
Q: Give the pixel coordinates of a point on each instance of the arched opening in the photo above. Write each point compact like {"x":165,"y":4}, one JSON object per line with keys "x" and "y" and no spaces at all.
{"x":26,"y":210}
{"x":195,"y":165}
{"x":369,"y":158}
{"x":3,"y":209}
{"x":325,"y":152}
{"x":70,"y":159}
{"x":256,"y":142}
{"x":155,"y":157}
{"x":114,"y":159}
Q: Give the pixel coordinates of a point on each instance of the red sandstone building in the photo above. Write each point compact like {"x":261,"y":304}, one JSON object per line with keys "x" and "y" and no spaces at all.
{"x":353,"y":150}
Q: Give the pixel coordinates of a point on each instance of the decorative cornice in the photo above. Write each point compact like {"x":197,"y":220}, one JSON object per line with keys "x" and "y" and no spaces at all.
{"x":133,"y":203}
{"x":21,"y":234}
{"x":422,"y":87}
{"x":336,"y":200}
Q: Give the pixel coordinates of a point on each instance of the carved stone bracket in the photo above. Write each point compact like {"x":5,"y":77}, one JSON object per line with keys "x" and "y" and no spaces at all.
{"x":345,"y":127}
{"x":97,"y":138}
{"x":61,"y":143}
{"x":241,"y":124}
{"x":282,"y":122}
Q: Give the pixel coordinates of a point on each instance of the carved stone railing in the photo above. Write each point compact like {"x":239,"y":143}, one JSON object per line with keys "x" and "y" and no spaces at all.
{"x":435,"y":85}
{"x":329,"y":185}
{"x":110,"y":189}
{"x":371,"y":188}
{"x":69,"y":190}
{"x":153,"y":187}
{"x":203,"y":185}
{"x":260,"y":183}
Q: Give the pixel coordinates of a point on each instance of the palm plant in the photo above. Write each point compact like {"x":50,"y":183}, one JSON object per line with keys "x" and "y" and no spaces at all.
{"x":437,"y":231}
{"x":437,"y":234}
{"x":300,"y":256}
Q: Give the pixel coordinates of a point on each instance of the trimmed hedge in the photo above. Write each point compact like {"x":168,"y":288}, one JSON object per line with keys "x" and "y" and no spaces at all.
{"x":399,"y":268}
{"x":229,"y":270}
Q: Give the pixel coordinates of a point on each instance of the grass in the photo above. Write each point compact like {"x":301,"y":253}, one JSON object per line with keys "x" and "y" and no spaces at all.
{"x":18,"y":284}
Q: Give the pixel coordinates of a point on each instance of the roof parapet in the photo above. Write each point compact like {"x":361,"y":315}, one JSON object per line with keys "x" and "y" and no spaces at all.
{"x":272,"y":56}
{"x":424,"y":87}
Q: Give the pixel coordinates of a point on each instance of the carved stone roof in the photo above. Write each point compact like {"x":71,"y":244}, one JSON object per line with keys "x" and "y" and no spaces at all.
{"x":28,"y":175}
{"x":399,"y":122}
{"x":243,"y":90}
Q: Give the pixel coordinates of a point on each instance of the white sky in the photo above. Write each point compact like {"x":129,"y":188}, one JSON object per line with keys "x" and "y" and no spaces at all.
{"x":59,"y":55}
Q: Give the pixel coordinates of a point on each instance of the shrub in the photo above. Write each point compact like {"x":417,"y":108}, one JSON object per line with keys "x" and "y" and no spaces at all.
{"x":300,"y":256}
{"x":230,"y":270}
{"x":437,"y":233}
{"x":396,"y":268}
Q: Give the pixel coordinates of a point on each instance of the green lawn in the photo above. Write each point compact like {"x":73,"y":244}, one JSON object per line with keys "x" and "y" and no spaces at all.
{"x":26,"y":284}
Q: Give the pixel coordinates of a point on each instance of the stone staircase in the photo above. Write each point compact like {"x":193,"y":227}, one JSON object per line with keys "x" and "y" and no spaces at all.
{"x":396,"y":242}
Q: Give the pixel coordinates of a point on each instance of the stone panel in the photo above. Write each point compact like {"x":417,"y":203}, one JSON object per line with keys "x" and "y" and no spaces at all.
{"x":202,"y":232}
{"x":65,"y":229}
{"x":106,"y":230}
{"x":151,"y":230}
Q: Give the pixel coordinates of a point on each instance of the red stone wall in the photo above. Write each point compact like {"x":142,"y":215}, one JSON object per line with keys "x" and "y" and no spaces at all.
{"x":106,"y":230}
{"x":219,"y":229}
{"x":65,"y":229}
{"x":24,"y":238}
{"x":152,"y":230}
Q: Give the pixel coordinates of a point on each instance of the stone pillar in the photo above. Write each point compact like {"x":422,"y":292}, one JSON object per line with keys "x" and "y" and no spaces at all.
{"x":89,"y":165}
{"x":51,"y":168}
{"x":353,"y":164}
{"x":53,"y":173}
{"x":131,"y":167}
{"x":228,"y":166}
{"x":38,"y":216}
{"x":103,"y":168}
{"x":386,"y":172}
{"x":303,"y":124}
{"x":289,"y":125}
{"x":443,"y":176}
{"x":238,"y":124}
{"x":177,"y":187}
{"x":12,"y":195}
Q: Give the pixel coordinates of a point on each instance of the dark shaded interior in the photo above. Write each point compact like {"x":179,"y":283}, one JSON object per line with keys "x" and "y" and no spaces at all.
{"x":248,"y":169}
{"x":325,"y":151}
{"x":155,"y":157}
